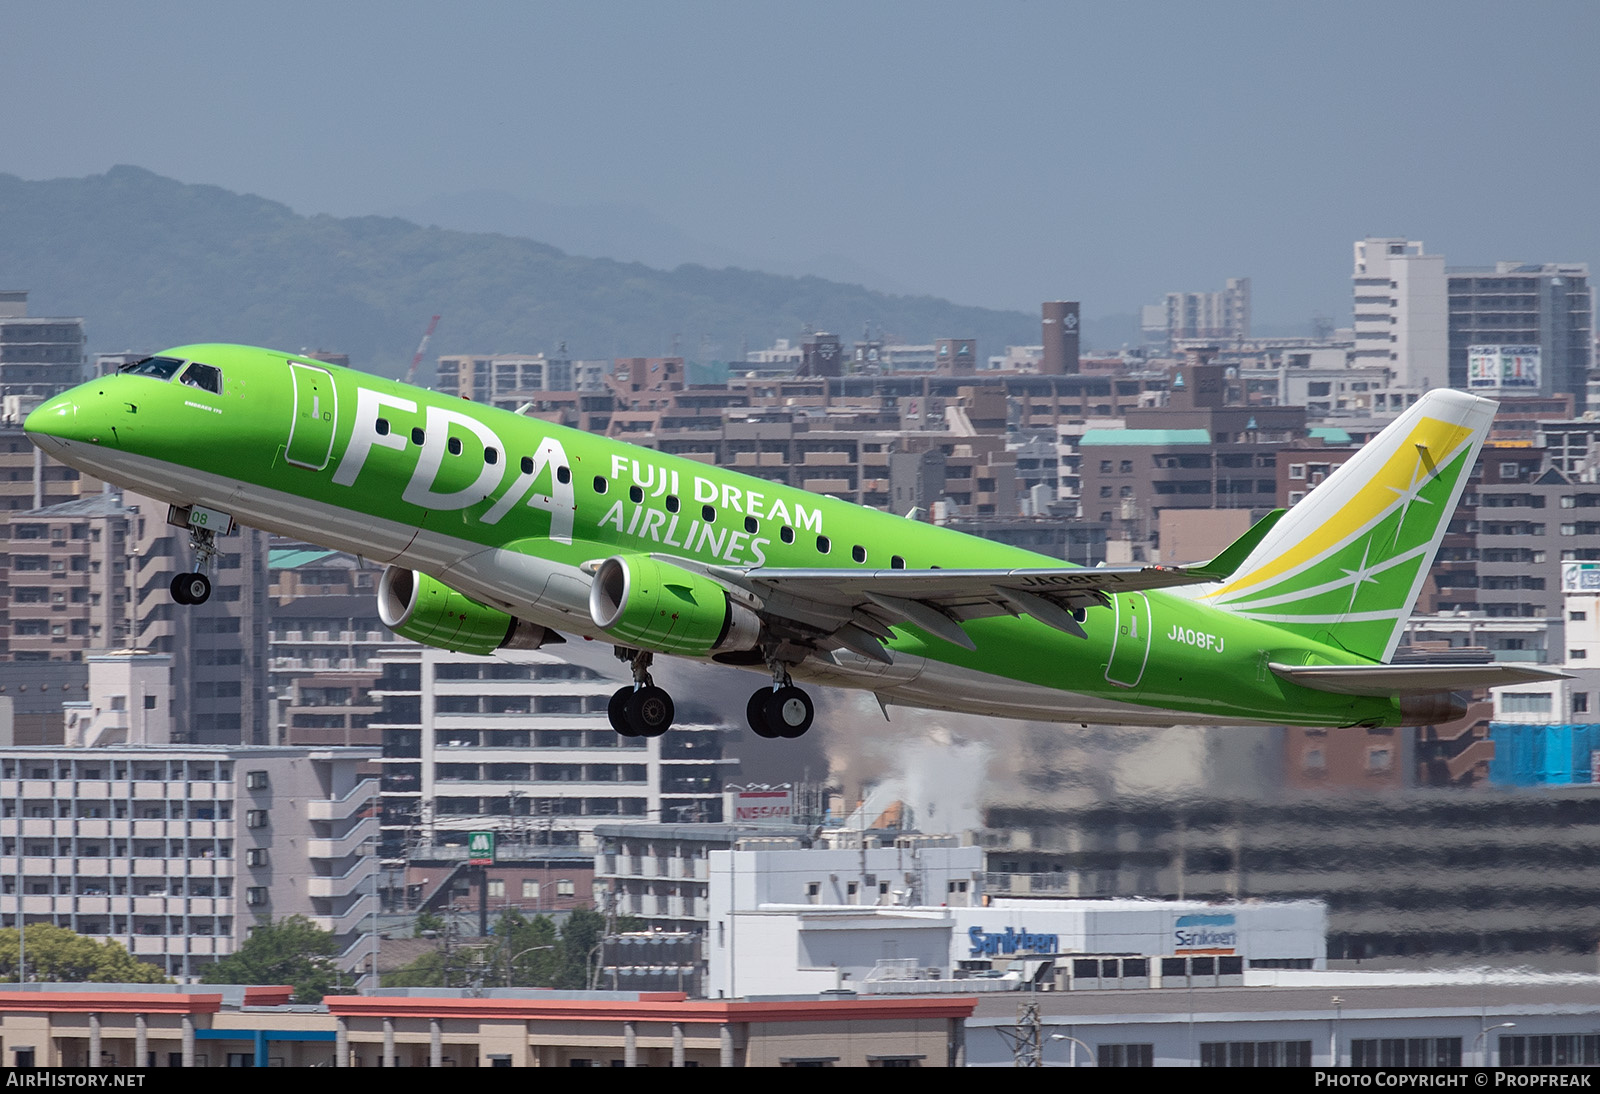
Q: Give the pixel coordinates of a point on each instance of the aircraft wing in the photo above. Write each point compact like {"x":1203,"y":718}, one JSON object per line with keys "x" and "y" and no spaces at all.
{"x":1410,"y":679}
{"x":855,"y":608}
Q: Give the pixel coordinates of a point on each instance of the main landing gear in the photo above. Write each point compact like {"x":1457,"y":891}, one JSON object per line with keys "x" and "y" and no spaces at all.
{"x":641,"y":709}
{"x":781,"y":710}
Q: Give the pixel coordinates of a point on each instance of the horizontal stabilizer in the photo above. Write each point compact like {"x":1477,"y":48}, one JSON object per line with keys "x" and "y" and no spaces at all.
{"x":1410,"y":679}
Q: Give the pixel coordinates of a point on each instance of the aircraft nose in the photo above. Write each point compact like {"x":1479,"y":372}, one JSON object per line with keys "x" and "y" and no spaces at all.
{"x":66,"y":420}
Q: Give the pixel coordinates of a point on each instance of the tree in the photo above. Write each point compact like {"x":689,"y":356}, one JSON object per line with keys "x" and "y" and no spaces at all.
{"x":580,"y":934}
{"x":59,"y":955}
{"x":291,"y":951}
{"x":532,"y":950}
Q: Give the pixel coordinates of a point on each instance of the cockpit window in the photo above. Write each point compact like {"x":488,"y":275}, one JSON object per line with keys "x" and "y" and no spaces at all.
{"x":205,"y":377}
{"x":162,"y":368}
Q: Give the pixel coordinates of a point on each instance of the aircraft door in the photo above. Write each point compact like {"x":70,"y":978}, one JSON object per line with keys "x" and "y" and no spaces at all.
{"x":316,"y":412}
{"x":1130,"y":642}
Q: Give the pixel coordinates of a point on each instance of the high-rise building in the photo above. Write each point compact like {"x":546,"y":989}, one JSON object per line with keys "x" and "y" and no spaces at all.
{"x":1400,"y":315}
{"x":1521,"y":329}
{"x":39,"y":356}
{"x":526,"y":749}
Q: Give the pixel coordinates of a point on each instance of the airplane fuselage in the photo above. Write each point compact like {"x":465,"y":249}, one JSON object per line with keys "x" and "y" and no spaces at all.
{"x":514,"y":511}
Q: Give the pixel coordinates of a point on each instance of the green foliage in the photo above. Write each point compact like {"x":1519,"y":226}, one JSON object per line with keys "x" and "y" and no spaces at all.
{"x":531,"y":950}
{"x":151,"y":262}
{"x":427,"y":921}
{"x":580,"y":934}
{"x":291,"y":951}
{"x":58,"y":955}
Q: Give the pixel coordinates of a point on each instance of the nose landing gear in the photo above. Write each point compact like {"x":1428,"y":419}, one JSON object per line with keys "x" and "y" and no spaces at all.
{"x":204,"y":526}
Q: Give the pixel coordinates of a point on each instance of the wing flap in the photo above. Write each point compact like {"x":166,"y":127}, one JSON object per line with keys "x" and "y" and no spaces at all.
{"x":1380,"y":680}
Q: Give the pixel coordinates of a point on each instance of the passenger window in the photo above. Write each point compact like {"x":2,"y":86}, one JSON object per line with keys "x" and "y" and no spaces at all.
{"x":859,"y":553}
{"x":600,"y":483}
{"x":491,"y":454}
{"x":750,"y":525}
{"x":563,"y":474}
{"x":708,"y":513}
{"x":381,"y":427}
{"x":786,"y":534}
{"x":454,"y":445}
{"x":204,"y":377}
{"x":416,"y":434}
{"x":527,"y":465}
{"x":672,"y":503}
{"x":896,"y":562}
{"x":824,"y":544}
{"x":635,"y":495}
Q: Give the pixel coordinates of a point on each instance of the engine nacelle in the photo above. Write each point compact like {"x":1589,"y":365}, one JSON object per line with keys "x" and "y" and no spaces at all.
{"x":641,"y":601}
{"x":426,"y":610}
{"x":1434,"y":708}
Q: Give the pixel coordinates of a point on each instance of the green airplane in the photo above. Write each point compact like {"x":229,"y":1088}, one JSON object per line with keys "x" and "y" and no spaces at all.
{"x":506,"y":532}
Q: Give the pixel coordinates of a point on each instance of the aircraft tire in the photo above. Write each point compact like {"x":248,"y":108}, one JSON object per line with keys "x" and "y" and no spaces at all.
{"x":191,"y":588}
{"x":650,"y":711}
{"x":617,"y":712}
{"x":789,"y":711}
{"x":755,"y":712}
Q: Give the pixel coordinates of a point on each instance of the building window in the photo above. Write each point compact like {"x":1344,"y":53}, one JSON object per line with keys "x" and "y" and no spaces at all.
{"x":1558,"y":1050}
{"x":1525,"y":702}
{"x":530,"y":889}
{"x":1255,"y":1054}
{"x":1125,"y":1055}
{"x":256,"y":895}
{"x":255,"y":856}
{"x":1297,"y":470}
{"x":1407,"y":1052}
{"x":255,"y":780}
{"x":255,"y":818}
{"x":565,"y":887}
{"x":1379,"y":759}
{"x":1577,"y":655}
{"x":1580,"y":702}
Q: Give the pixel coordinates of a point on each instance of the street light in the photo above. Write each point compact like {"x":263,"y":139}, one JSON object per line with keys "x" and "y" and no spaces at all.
{"x":1482,"y":1039}
{"x":1072,"y":1057}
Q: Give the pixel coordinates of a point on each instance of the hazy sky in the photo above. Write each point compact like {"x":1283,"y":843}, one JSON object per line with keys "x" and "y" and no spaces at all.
{"x":995,"y":153}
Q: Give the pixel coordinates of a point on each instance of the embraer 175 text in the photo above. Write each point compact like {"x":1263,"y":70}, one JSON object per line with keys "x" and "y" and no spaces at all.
{"x":504,"y":532}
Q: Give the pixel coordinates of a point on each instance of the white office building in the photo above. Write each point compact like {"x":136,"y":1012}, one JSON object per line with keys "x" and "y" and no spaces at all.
{"x":1401,"y":312}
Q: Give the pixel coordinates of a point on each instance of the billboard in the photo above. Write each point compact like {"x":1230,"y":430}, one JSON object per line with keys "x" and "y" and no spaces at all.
{"x":1503,"y":368}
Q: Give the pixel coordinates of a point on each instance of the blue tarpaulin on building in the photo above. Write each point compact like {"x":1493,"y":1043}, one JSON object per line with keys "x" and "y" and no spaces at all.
{"x":1541,"y":755}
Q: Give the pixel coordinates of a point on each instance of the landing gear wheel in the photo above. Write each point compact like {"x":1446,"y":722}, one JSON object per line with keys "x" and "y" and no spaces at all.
{"x":191,"y":588}
{"x":755,"y":714}
{"x":650,"y":711}
{"x":617,"y":711}
{"x":788,"y":711}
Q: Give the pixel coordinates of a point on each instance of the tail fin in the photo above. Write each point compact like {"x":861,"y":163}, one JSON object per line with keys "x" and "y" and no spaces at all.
{"x":1345,"y":565}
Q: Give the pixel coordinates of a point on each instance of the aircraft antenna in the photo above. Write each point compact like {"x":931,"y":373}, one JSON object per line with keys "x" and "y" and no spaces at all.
{"x":422,"y":347}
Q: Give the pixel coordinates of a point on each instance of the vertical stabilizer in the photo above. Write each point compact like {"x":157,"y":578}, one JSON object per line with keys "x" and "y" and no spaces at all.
{"x":1344,"y":566}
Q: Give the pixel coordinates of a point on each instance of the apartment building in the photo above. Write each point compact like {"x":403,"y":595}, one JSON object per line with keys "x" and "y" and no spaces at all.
{"x":176,"y":852}
{"x":39,"y":356}
{"x":525,"y":748}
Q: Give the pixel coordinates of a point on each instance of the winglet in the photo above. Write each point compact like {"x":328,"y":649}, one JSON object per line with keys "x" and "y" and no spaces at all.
{"x":1221,"y":567}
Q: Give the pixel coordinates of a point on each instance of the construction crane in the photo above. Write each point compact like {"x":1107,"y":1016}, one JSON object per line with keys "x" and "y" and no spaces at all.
{"x":422,"y":347}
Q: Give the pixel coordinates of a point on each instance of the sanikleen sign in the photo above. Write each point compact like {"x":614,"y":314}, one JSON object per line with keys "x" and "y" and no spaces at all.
{"x":995,"y":943}
{"x":1205,"y":934}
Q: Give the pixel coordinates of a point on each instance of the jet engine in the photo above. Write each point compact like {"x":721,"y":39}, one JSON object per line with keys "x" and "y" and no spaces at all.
{"x":425,"y":610}
{"x":1432,"y":708}
{"x":642,"y":601}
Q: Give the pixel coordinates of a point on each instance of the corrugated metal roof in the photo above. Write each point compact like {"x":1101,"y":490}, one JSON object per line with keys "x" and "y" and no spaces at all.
{"x":1094,"y":437}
